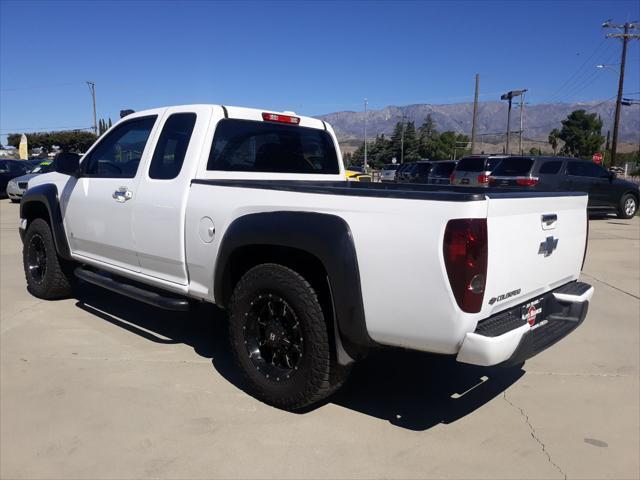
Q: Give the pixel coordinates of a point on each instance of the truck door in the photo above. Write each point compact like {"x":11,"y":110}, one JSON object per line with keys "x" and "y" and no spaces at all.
{"x":98,"y":206}
{"x":159,"y":213}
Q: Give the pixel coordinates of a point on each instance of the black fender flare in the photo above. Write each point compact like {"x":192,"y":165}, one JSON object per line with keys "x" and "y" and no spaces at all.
{"x":47,"y":195}
{"x":328,"y":238}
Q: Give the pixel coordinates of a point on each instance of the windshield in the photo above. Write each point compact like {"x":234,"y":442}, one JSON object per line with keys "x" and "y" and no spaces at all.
{"x":390,"y":167}
{"x":513,"y":167}
{"x":443,"y":169}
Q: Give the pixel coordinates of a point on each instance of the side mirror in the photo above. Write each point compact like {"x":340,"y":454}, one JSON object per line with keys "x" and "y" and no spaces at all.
{"x":612,"y":176}
{"x":68,"y":163}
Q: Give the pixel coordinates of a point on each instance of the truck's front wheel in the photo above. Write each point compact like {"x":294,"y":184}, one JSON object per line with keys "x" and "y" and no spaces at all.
{"x":47,"y":275}
{"x":280,"y":338}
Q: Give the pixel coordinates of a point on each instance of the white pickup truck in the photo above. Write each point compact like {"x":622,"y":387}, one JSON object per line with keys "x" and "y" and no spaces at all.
{"x":251,"y":210}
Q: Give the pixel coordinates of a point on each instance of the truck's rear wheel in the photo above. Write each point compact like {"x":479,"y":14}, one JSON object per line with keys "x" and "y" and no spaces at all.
{"x":47,"y":275}
{"x":280,"y":338}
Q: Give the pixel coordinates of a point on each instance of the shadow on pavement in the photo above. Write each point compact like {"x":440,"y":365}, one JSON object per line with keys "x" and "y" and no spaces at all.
{"x":412,"y":390}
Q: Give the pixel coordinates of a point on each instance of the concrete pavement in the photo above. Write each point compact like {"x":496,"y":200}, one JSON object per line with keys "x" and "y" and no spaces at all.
{"x":103,"y":387}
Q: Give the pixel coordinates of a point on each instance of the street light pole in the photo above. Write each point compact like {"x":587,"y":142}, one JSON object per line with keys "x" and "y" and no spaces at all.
{"x":508,"y":126}
{"x":92,"y":88}
{"x":475,"y":115}
{"x":365,"y":133}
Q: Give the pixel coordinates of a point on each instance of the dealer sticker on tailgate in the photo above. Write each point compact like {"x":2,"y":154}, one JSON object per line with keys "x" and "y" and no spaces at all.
{"x":532,"y":311}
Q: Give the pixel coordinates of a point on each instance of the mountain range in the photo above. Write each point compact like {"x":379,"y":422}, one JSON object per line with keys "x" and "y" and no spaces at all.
{"x":538,"y":119}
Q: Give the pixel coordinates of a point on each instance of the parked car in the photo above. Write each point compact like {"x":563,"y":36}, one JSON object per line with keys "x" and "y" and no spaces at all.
{"x":403,"y":170}
{"x":356,"y":173}
{"x":388,"y":173}
{"x":296,"y":254}
{"x":419,"y":172}
{"x":606,"y":192}
{"x":474,"y":171}
{"x":11,"y":169}
{"x":441,"y":172}
{"x":33,"y":163}
{"x":17,"y":186}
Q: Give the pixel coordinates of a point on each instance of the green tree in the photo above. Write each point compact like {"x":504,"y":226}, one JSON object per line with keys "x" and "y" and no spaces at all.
{"x":427,"y":130}
{"x":72,"y":140}
{"x":581,"y":133}
{"x":554,"y":135}
{"x":411,"y":144}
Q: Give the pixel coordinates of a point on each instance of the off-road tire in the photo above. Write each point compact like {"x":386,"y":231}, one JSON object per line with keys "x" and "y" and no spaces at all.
{"x":56,"y":280}
{"x":628,"y":206}
{"x":318,"y":374}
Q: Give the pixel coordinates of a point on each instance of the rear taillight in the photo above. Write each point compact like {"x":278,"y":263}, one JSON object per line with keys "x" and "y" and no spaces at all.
{"x":527,"y":181}
{"x":586,"y":244}
{"x":452,"y":177}
{"x":276,"y":117}
{"x":465,"y":258}
{"x":482,"y":178}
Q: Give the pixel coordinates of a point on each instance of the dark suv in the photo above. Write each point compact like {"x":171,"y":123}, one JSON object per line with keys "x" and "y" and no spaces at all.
{"x":606,"y":192}
{"x":418,"y":173}
{"x":11,"y":169}
{"x":440,"y":173}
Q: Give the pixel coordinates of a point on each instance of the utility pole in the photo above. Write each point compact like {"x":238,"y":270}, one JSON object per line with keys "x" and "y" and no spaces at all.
{"x":365,"y":134}
{"x":475,"y":113}
{"x":626,"y":36}
{"x":521,"y":115}
{"x":92,"y":88}
{"x":509,"y":96}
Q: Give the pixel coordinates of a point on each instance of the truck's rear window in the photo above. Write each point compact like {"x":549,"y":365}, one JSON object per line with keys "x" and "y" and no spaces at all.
{"x":513,"y":167}
{"x":250,"y":146}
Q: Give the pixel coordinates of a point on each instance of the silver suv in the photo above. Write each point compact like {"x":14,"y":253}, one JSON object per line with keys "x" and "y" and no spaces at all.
{"x":474,"y":171}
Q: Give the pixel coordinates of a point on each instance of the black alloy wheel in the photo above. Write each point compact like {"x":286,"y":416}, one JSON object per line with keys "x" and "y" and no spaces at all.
{"x":273,"y":337}
{"x":37,"y":258}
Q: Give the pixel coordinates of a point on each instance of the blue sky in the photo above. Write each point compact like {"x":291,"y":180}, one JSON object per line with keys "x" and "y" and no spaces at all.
{"x":311,"y":57}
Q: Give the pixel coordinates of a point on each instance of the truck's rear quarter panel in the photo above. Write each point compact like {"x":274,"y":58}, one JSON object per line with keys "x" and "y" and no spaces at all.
{"x":407,"y":300}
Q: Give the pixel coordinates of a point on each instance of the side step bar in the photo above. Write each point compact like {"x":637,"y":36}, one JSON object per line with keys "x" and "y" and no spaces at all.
{"x":137,"y":293}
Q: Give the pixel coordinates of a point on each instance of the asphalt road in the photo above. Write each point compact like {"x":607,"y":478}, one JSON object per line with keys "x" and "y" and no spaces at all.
{"x":102,"y":387}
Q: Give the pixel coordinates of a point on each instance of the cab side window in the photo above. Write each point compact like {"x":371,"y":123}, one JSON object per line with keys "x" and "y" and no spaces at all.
{"x":586,"y":169}
{"x":119,"y":153}
{"x":550,"y":167}
{"x":172,"y":146}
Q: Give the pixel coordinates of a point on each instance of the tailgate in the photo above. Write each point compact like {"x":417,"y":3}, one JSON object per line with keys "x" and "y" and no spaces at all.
{"x":536,"y":243}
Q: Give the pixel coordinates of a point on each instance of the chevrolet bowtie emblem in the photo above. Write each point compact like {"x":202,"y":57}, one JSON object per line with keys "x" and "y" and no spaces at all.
{"x":548,"y":246}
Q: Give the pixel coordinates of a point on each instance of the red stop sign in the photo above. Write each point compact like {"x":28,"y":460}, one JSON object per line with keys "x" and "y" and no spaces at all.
{"x":597,"y":157}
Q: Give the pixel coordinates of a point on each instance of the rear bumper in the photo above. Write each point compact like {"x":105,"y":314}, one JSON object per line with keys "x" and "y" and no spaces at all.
{"x":508,"y":339}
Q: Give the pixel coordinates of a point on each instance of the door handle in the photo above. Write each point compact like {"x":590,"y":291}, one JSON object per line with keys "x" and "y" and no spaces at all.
{"x":122,"y":195}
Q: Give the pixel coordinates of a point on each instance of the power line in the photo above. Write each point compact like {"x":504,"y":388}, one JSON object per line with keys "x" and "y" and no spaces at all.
{"x":581,"y":77}
{"x":600,"y":45}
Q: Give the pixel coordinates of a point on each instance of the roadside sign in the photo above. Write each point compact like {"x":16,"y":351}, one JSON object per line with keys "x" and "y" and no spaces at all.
{"x":393,"y":160}
{"x":597,"y":158}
